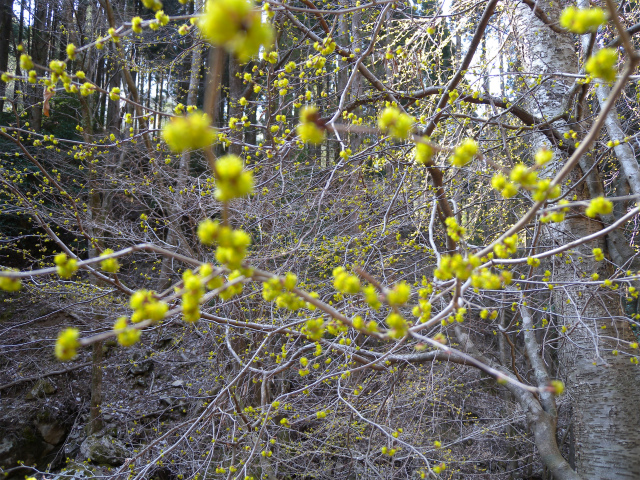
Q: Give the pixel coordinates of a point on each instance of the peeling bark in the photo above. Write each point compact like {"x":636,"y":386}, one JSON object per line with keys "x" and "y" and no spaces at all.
{"x":599,"y":383}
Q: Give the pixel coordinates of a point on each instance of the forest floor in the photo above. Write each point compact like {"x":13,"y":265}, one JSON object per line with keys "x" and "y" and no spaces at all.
{"x":44,"y":404}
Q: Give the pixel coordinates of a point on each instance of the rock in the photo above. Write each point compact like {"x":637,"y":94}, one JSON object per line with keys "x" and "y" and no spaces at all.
{"x":7,"y":447}
{"x":72,"y":443}
{"x":73,"y":471}
{"x":52,"y":433}
{"x":42,"y":388}
{"x":104,"y":449}
{"x":23,"y":445}
{"x":140,"y":382}
{"x":163,"y":342}
{"x":141,"y":368}
{"x":177,"y":383}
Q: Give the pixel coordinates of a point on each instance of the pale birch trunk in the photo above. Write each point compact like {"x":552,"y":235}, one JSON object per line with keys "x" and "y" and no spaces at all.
{"x":601,"y":386}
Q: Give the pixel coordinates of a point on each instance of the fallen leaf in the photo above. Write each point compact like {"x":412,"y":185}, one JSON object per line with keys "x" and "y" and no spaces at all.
{"x":48,"y":95}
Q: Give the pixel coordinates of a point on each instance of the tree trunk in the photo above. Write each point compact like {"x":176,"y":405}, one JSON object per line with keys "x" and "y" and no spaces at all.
{"x":95,"y":422}
{"x":175,"y":210}
{"x":600,"y":384}
{"x":113,"y":107}
{"x":39,"y":49}
{"x":235,"y":110}
{"x":6,"y":15}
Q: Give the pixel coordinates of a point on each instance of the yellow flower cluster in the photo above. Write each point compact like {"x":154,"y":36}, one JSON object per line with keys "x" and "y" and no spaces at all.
{"x":280,"y":290}
{"x":422,"y":310}
{"x":136,"y":24}
{"x":503,"y":185}
{"x":389,"y":451}
{"x":439,"y":468}
{"x":206,"y":270}
{"x":556,"y":216}
{"x":544,"y":191}
{"x":458,"y":317}
{"x":113,"y":35}
{"x":10,"y":284}
{"x":26,"y":62}
{"x":114,"y":94}
{"x":398,"y":327}
{"x":487,"y":280}
{"x":232,"y":290}
{"x":534,"y":262}
{"x":358,"y":322}
{"x":126,"y":335}
{"x":453,"y":96}
{"x":145,"y":305}
{"x":189,"y":133}
{"x":345,"y":282}
{"x":598,"y":254}
{"x":527,"y":178}
{"x":308,"y":129}
{"x":271,"y":57}
{"x":71,"y":51}
{"x":232,"y":244}
{"x":110,"y":265}
{"x":456,"y":266}
{"x":314,"y":328}
{"x":162,"y":18}
{"x":336,"y":328}
{"x":327,"y":47}
{"x":599,"y":206}
{"x":603,"y":64}
{"x":543,"y":156}
{"x":522,"y":175}
{"x":557,"y":387}
{"x":191,"y":296}
{"x":65,"y":266}
{"x":371,"y":297}
{"x":464,"y":153}
{"x":87,"y":89}
{"x":58,"y":67}
{"x":152,"y":4}
{"x":455,"y":231}
{"x":395,"y":123}
{"x":484,"y":314}
{"x":508,"y":247}
{"x":210,"y":231}
{"x":424,"y":152}
{"x":232,"y":180}
{"x":399,"y":294}
{"x":582,"y":20}
{"x":67,"y":344}
{"x":316,"y":62}
{"x":237,"y":26}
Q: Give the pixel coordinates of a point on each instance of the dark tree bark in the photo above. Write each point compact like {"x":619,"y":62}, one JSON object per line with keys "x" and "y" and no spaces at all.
{"x":39,"y":51}
{"x":96,"y":389}
{"x":6,"y":17}
{"x":235,"y":109}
